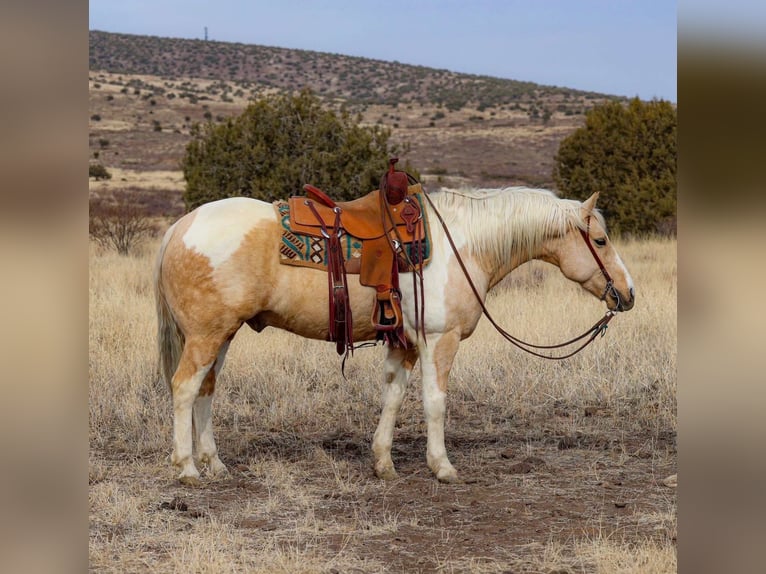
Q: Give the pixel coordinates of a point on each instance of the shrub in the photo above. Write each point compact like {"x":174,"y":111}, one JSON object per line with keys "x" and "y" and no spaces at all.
{"x":629,"y":153}
{"x":98,"y":171}
{"x":121,"y":224}
{"x":278,"y":144}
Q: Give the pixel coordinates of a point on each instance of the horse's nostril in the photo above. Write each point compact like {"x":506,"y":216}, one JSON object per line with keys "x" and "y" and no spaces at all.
{"x":632,"y":293}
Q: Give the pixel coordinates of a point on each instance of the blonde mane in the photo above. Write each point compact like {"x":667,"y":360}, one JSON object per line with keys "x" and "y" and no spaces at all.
{"x":500,"y":222}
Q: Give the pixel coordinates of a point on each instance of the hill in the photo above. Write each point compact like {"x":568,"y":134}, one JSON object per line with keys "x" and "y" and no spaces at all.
{"x":353,"y":79}
{"x":146,"y":93}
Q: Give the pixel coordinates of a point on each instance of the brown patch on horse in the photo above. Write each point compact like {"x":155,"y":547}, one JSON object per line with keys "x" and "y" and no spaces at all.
{"x":208,"y":384}
{"x":444,"y":354}
{"x":410,"y":359}
{"x":202,"y":301}
{"x":270,"y":297}
{"x":196,"y":355}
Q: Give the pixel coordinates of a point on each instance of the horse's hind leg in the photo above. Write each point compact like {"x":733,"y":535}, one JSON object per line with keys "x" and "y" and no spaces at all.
{"x":196,"y":361}
{"x":398,"y":368}
{"x":203,"y":419}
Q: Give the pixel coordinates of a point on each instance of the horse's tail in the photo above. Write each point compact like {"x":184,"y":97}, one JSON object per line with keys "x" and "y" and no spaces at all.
{"x":170,"y":339}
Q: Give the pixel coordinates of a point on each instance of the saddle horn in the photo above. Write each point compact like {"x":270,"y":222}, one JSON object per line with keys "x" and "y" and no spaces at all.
{"x":394,"y":183}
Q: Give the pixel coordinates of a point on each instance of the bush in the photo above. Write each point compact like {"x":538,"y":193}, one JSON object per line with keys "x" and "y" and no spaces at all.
{"x":98,"y":171}
{"x":277,"y":145}
{"x":121,"y":224}
{"x":628,"y":152}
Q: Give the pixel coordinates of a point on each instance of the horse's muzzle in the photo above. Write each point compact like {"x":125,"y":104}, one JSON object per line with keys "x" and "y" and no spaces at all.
{"x":624,"y":303}
{"x":621,"y":303}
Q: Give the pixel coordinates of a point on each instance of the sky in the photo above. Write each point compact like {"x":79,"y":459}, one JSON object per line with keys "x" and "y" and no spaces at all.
{"x":618,"y":47}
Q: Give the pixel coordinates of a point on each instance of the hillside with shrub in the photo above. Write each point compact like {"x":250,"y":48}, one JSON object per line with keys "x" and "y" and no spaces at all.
{"x":149,"y":96}
{"x":251,"y":68}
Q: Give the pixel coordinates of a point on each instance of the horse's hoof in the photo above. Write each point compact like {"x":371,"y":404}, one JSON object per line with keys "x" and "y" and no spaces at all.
{"x":386,"y":473}
{"x":220,"y":475}
{"x":192,"y":481}
{"x":216,"y":469}
{"x":448,"y":477}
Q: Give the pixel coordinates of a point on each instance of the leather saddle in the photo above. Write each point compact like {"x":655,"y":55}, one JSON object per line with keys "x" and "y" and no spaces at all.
{"x":390,"y":224}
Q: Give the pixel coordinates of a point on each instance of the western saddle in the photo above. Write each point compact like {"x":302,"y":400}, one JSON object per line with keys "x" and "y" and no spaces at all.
{"x":390,"y":224}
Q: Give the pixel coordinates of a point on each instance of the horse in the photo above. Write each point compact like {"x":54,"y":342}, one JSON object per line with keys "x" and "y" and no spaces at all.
{"x":218,"y":268}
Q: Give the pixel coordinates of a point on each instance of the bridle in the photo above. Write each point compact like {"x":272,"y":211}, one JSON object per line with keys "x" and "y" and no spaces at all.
{"x":599,"y":328}
{"x":610,"y":288}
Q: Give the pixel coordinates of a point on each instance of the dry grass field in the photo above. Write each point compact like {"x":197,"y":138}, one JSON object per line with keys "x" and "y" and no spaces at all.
{"x":564,"y":464}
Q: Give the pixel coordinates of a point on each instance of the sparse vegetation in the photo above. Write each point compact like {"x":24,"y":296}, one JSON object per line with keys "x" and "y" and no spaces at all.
{"x":423,"y":92}
{"x":359,"y":80}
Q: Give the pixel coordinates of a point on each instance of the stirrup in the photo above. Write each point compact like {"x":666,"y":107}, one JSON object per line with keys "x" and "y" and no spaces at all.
{"x":387,"y":312}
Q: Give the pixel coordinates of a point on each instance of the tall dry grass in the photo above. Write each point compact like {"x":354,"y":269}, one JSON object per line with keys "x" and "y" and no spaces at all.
{"x":275,"y":381}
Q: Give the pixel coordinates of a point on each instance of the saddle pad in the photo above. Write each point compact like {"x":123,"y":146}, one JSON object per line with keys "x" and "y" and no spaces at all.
{"x":308,"y":251}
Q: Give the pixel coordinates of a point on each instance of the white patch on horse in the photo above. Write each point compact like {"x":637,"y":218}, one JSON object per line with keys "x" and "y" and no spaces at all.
{"x":220,"y":226}
{"x":435,"y":280}
{"x":628,"y":277}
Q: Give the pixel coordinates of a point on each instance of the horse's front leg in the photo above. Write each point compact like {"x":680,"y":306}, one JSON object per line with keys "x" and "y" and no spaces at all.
{"x":436,"y":362}
{"x":398,"y":368}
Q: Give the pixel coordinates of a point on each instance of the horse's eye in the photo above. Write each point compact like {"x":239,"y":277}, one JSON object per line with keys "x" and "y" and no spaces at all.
{"x":600,"y":242}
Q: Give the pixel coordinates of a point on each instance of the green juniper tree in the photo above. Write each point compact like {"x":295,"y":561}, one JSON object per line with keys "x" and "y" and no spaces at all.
{"x":278,"y":144}
{"x":628,"y":152}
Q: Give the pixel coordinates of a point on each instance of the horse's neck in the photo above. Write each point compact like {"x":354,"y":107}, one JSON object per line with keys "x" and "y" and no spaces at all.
{"x":518,"y":260}
{"x":493,"y":243}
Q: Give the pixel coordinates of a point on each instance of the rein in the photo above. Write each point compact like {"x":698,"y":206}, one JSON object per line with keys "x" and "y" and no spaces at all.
{"x":598,"y":328}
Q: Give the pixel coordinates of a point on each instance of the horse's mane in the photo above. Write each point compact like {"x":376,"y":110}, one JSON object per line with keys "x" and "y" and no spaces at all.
{"x":499,"y":222}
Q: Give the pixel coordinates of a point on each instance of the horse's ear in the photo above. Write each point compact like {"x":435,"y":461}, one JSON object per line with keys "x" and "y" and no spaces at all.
{"x":590,"y":204}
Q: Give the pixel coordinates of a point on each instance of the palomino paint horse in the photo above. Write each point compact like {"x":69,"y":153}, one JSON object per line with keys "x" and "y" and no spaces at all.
{"x":218,"y":267}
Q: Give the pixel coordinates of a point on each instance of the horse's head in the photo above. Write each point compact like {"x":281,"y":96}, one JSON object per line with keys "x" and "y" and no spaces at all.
{"x":588,"y":257}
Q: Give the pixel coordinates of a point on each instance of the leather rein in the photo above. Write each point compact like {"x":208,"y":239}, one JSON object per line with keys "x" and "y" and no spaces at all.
{"x":599,"y":328}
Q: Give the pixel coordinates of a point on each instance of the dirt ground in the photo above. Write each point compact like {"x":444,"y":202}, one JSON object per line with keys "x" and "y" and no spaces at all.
{"x":522,"y":489}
